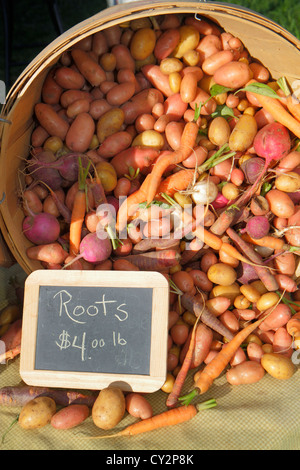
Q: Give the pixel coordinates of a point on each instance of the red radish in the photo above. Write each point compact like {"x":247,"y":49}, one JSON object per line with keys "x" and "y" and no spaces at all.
{"x":41,"y":228}
{"x":67,"y":165}
{"x":94,"y":247}
{"x":258,"y":226}
{"x":252,"y":167}
{"x":272,"y":142}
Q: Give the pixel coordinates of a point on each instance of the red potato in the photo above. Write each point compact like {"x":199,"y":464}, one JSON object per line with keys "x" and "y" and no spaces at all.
{"x":173,"y":134}
{"x":166,"y":43}
{"x":120,"y":94}
{"x":218,"y":305}
{"x":51,"y":121}
{"x":189,"y":87}
{"x":69,"y":78}
{"x":70,"y":416}
{"x":145,"y":121}
{"x":157,"y":228}
{"x":280,"y":203}
{"x":113,"y":35}
{"x":260,"y":73}
{"x":202,"y":97}
{"x":134,"y":157}
{"x":215,"y":61}
{"x":50,"y":253}
{"x":138,"y":406}
{"x":254,"y":352}
{"x":282,"y":342}
{"x":31,"y":202}
{"x":183,"y":280}
{"x":77,"y":107}
{"x":80,"y":133}
{"x":90,"y":69}
{"x":179,"y":333}
{"x":209,"y":45}
{"x":99,"y":43}
{"x":142,"y":102}
{"x":229,"y":320}
{"x":124,"y":265}
{"x":293,"y":235}
{"x":69,"y":96}
{"x":51,"y":90}
{"x":123,"y":57}
{"x":158,"y":79}
{"x":99,"y":107}
{"x":238,"y":358}
{"x":39,"y":136}
{"x":114,"y":144}
{"x":233,"y":75}
{"x":201,"y":280}
{"x":277,"y":319}
{"x":246,"y":373}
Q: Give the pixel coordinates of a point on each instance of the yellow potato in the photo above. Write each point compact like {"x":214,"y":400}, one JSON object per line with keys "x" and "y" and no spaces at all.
{"x":277,"y":365}
{"x":219,"y":131}
{"x":288,"y":182}
{"x":142,"y":43}
{"x":189,"y":39}
{"x":109,"y":123}
{"x":222,"y":274}
{"x":170,"y":65}
{"x":37,"y":413}
{"x":267,"y":300}
{"x":230,"y":292}
{"x":109,"y":408}
{"x":243,"y":133}
{"x":9,"y":314}
{"x":149,"y":138}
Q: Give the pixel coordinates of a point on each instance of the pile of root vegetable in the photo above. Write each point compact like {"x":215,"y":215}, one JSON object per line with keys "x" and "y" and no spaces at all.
{"x":161,"y":144}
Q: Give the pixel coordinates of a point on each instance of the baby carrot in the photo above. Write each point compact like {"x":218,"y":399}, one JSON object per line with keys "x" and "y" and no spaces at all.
{"x":78,"y":211}
{"x":130,"y":205}
{"x":217,"y":365}
{"x":278,"y":111}
{"x":188,"y":140}
{"x":181,"y":376}
{"x":164,"y":419}
{"x":267,"y":241}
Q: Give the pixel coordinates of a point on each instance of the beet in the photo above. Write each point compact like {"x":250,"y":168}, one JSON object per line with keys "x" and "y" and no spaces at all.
{"x":41,"y":229}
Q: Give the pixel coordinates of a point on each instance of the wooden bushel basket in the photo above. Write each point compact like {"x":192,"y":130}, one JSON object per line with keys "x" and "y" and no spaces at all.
{"x":266,"y":41}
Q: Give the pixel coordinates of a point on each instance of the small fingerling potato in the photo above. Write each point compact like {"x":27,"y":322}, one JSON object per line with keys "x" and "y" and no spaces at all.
{"x":138,"y":406}
{"x":37,"y":413}
{"x":109,"y":408}
{"x":70,"y":416}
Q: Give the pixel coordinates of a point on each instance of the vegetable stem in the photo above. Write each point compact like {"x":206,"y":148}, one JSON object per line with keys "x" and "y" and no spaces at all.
{"x":187,"y":399}
{"x":206,"y":405}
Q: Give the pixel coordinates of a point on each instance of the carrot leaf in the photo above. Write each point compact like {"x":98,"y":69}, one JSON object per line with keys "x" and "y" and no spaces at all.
{"x":197,"y":111}
{"x":223,"y":111}
{"x":282,"y":83}
{"x":260,"y":89}
{"x":218,"y":90}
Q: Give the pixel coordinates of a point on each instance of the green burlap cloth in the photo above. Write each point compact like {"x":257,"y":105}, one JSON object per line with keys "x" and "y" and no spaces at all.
{"x":261,"y":416}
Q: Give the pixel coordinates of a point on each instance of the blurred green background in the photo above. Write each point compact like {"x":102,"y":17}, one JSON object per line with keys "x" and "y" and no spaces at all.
{"x":34,"y":29}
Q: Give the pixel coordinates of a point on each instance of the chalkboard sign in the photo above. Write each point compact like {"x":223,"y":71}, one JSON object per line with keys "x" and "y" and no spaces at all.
{"x":92,"y":329}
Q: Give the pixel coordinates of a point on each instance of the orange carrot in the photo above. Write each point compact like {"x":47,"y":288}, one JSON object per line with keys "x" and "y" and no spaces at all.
{"x":130,"y":204}
{"x":78,"y":211}
{"x":188,"y":140}
{"x":164,"y":419}
{"x":267,"y":241}
{"x":278,"y":111}
{"x":291,"y":101}
{"x":178,"y":181}
{"x":217,"y":365}
{"x":181,"y":376}
{"x":210,"y":239}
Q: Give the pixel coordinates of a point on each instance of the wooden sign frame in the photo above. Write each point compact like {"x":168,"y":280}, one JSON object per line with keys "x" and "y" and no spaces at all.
{"x":95,"y":380}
